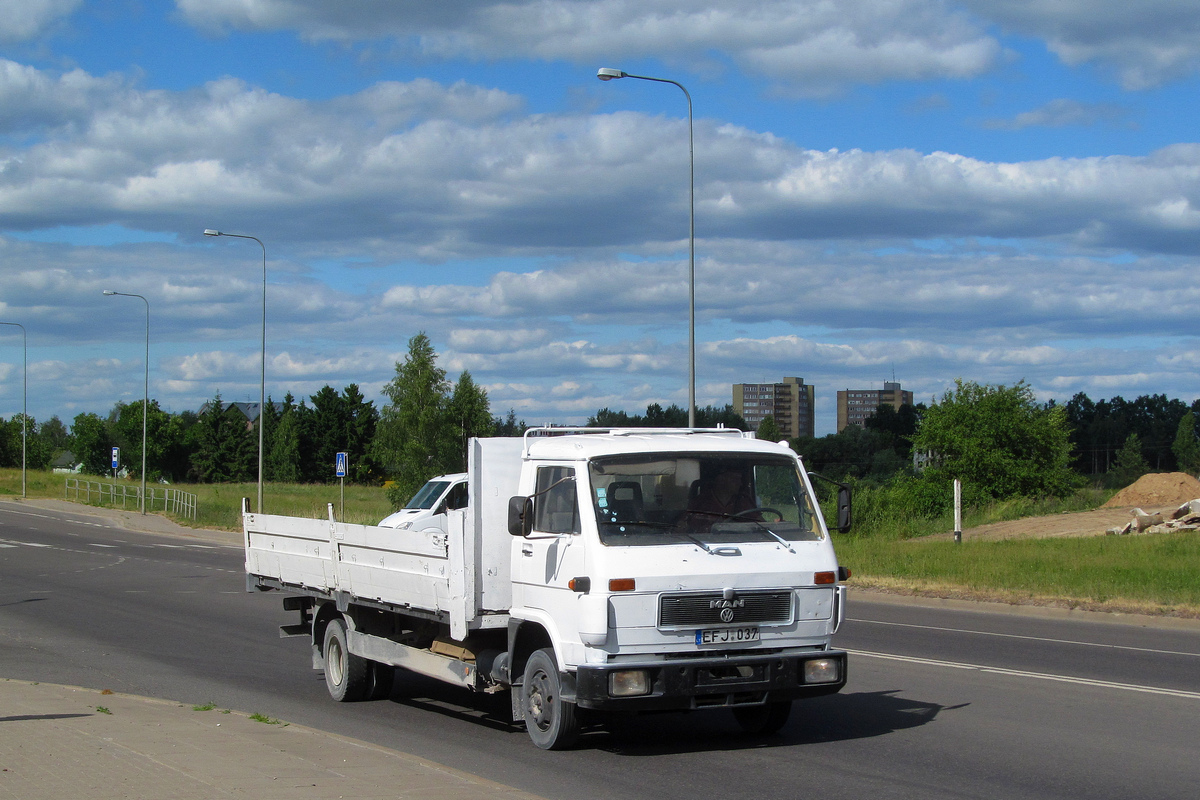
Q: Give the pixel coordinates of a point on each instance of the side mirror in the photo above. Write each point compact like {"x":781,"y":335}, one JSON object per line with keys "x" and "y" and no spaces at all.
{"x":520,"y":515}
{"x":843,"y":509}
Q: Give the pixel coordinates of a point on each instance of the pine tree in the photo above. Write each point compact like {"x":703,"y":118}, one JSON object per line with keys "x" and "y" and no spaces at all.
{"x":1186,"y":448}
{"x":1130,"y":464}
{"x":410,"y":430}
{"x":467,"y":415}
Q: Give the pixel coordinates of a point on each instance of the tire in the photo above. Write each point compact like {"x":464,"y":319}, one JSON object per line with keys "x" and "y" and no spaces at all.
{"x":381,"y":678}
{"x":764,"y":719}
{"x":347,"y":676}
{"x":550,"y":720}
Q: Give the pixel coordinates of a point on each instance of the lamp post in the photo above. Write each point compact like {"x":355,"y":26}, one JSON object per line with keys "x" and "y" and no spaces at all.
{"x":608,"y":74}
{"x":24,"y":400}
{"x":145,"y":387}
{"x":262,"y":389}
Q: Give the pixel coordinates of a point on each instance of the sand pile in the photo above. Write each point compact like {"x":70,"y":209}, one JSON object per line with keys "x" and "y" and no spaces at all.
{"x":1157,"y":490}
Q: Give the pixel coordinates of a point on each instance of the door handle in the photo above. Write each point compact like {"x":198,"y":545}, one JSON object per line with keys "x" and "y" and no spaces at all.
{"x":527,"y":549}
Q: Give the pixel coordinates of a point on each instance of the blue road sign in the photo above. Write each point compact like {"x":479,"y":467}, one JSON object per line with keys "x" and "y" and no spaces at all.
{"x":339,"y":465}
{"x":116,"y":458}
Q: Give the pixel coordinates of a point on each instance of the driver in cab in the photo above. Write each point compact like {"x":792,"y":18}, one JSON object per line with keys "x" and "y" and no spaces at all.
{"x":723,"y":495}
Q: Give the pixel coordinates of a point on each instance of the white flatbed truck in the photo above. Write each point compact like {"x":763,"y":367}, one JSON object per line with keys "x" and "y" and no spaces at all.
{"x":591,"y":570}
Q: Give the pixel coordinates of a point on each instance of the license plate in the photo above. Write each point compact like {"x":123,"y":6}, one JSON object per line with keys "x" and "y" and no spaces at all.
{"x":726,"y":635}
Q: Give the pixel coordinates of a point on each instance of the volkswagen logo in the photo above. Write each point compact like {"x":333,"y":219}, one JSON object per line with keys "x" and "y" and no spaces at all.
{"x":726,"y":615}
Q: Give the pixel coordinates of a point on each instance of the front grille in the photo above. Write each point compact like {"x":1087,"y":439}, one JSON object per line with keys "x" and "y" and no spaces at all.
{"x":704,"y":610}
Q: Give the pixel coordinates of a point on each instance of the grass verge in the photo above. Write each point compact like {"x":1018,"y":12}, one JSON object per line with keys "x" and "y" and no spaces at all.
{"x":1154,"y":574}
{"x":219,"y":505}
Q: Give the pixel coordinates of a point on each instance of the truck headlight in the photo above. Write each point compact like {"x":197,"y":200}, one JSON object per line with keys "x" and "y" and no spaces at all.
{"x":822,"y":670}
{"x":628,"y":683}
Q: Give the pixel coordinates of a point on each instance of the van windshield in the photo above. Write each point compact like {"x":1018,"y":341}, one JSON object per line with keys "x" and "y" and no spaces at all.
{"x":717,"y":498}
{"x":428,"y":495}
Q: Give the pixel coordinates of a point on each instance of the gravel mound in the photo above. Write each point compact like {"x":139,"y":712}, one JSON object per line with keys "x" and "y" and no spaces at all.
{"x":1158,"y":489}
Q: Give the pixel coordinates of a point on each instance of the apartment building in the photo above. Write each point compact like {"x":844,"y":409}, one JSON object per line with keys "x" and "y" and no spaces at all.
{"x":856,"y":406}
{"x":791,"y":403}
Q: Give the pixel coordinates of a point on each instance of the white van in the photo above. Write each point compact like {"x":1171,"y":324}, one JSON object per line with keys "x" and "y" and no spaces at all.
{"x":427,"y":509}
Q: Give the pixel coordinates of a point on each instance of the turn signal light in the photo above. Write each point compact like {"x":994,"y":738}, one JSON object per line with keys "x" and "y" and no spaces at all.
{"x":824,"y":578}
{"x":621,"y":585}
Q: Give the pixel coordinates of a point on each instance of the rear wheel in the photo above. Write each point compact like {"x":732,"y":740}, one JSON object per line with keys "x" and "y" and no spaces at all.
{"x":767,"y":718}
{"x":382,"y":677}
{"x":347,"y":676}
{"x":550,"y":720}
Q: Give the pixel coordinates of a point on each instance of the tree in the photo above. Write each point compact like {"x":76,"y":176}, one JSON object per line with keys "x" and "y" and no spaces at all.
{"x":91,"y":443}
{"x":998,"y":440}
{"x":283,"y":459}
{"x":55,"y":436}
{"x":410,"y":430}
{"x":362,"y":421}
{"x":223,"y":449}
{"x":1186,"y":448}
{"x":1129,"y":464}
{"x":768,"y":430}
{"x":161,"y":437}
{"x":510,"y":425}
{"x":467,"y":415}
{"x":670,"y":417}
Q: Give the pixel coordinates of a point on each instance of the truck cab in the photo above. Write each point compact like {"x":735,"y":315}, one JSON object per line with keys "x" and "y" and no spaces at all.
{"x":671,"y":571}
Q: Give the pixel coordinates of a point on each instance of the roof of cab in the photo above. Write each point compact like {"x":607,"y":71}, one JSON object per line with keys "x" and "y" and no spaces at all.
{"x":575,"y":444}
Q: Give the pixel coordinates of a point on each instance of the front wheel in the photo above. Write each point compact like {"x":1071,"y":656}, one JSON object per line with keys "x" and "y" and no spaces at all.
{"x":549,"y":719}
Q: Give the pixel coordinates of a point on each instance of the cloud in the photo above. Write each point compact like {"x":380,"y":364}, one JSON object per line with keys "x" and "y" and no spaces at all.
{"x":22,"y":20}
{"x":1062,"y":113}
{"x":805,"y":46}
{"x":1145,"y":44}
{"x":434,"y":172}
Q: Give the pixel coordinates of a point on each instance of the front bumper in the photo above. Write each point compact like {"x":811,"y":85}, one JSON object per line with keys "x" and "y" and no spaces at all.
{"x":712,"y":682}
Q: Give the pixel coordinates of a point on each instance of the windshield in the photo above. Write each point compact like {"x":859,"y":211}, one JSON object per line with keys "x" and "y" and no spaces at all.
{"x":717,"y":498}
{"x":428,"y":495}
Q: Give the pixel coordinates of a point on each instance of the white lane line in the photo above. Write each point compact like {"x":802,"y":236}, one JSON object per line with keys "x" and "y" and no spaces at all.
{"x":26,"y":544}
{"x":6,"y":544}
{"x":1042,"y":676}
{"x":97,"y":544}
{"x":1026,"y":638}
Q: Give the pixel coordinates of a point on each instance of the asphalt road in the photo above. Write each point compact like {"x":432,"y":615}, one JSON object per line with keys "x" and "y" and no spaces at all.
{"x":942,"y":702}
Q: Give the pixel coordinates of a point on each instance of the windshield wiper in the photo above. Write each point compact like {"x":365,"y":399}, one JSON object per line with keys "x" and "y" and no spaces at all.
{"x":741,"y":518}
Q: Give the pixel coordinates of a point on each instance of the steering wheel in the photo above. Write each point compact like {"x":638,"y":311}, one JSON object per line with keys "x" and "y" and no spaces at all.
{"x":759,"y":510}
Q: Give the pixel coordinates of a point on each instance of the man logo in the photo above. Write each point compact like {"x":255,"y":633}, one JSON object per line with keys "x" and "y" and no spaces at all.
{"x":727,"y":604}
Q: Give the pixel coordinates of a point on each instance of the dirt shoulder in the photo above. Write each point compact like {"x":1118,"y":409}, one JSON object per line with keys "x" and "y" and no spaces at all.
{"x":1079,"y":523}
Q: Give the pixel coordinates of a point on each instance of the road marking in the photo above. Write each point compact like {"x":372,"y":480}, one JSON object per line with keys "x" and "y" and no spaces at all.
{"x":97,"y":544}
{"x":1018,"y":673}
{"x":1027,"y":638}
{"x":26,"y":544}
{"x":6,"y":544}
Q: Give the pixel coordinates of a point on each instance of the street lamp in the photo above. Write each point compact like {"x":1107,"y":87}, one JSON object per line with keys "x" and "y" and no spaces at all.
{"x":608,"y":74}
{"x":145,"y":387}
{"x":24,"y":401}
{"x":262,"y":389}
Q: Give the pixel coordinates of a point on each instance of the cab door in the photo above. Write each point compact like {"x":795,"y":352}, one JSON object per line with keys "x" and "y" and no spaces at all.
{"x":552,"y":554}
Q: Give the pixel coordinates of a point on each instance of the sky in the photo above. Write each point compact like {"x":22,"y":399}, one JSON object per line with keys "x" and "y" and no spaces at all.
{"x":909,"y":190}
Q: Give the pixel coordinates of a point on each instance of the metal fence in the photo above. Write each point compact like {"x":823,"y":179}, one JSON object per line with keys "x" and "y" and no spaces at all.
{"x":173,"y":500}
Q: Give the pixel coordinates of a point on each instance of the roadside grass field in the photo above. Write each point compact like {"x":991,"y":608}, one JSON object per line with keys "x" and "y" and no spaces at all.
{"x":219,"y":505}
{"x":1152,"y":574}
